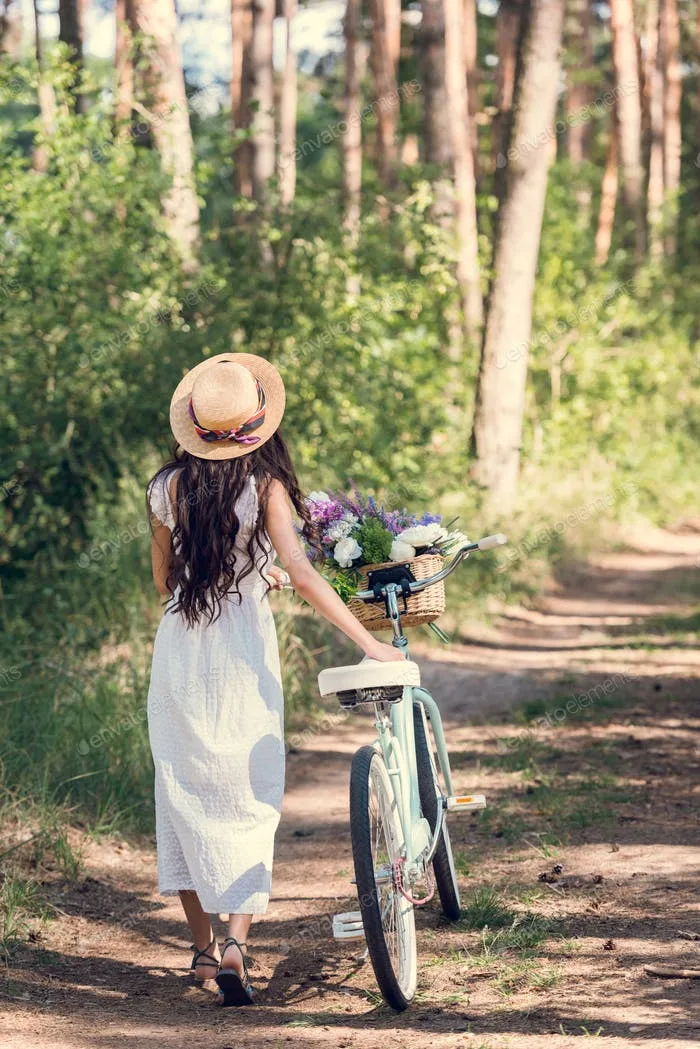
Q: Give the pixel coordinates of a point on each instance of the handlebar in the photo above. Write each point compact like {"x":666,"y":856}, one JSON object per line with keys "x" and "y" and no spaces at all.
{"x":489,"y":542}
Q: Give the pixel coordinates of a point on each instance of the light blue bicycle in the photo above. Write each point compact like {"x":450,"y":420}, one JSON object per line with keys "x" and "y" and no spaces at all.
{"x":400,"y":794}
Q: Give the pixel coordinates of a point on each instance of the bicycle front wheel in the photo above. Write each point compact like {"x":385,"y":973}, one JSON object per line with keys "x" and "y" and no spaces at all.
{"x":377,"y":843}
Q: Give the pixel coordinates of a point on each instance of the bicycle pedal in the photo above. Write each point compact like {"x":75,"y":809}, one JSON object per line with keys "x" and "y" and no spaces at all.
{"x":348,"y":926}
{"x":465,"y":802}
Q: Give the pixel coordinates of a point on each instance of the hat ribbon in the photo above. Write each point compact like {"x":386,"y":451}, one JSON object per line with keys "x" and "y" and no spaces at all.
{"x":243,"y":433}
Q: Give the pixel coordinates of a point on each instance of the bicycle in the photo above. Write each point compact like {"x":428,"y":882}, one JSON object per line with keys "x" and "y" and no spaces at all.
{"x":400,"y":792}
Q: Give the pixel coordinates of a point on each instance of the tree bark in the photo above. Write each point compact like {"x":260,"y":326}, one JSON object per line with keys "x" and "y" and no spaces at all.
{"x":240,"y":91}
{"x":124,"y":63}
{"x":46,"y":98}
{"x":579,"y":41}
{"x":352,"y":136}
{"x":608,"y":197}
{"x":629,"y":110}
{"x":669,"y":39}
{"x":509,"y":23}
{"x":500,"y":399}
{"x":70,"y":32}
{"x":435,"y":113}
{"x":471,"y":66}
{"x":386,"y":102}
{"x":172,"y":134}
{"x":11,"y":28}
{"x":263,"y":99}
{"x":654,"y":91}
{"x":288,"y":112}
{"x":463,"y":170}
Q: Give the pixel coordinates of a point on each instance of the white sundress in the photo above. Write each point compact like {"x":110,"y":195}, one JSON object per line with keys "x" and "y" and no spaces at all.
{"x":215,"y":722}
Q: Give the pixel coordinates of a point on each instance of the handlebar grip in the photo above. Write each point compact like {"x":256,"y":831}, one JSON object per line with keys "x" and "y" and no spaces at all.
{"x":490,"y":541}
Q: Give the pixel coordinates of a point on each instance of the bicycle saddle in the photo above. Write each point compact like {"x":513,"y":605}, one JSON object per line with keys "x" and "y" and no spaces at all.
{"x":369,"y":681}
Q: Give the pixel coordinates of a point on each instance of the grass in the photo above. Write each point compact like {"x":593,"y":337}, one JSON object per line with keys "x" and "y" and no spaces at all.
{"x":21,"y":905}
{"x":486,"y":908}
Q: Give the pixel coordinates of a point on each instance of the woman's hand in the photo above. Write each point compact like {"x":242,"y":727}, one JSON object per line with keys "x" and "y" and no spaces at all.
{"x":384,"y":653}
{"x":278,"y":577}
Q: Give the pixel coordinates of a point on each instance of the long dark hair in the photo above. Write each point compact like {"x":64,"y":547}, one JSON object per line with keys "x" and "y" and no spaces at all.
{"x":203,"y":563}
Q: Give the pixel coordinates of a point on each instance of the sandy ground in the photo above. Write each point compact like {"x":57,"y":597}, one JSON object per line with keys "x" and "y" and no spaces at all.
{"x":111,"y":969}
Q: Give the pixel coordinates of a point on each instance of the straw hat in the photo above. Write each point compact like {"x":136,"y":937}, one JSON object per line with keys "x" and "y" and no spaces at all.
{"x":227,"y":406}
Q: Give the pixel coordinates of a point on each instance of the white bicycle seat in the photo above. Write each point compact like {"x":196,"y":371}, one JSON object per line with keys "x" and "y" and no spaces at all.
{"x":370,"y":673}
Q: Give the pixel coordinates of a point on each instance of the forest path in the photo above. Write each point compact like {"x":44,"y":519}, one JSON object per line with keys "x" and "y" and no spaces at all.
{"x":613,"y":641}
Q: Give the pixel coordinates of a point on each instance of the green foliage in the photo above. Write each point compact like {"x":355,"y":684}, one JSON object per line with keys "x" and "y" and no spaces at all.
{"x":375,"y":541}
{"x":345,"y":583}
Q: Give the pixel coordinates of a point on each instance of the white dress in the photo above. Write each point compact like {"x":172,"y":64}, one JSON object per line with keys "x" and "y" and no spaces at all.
{"x":215,"y":721}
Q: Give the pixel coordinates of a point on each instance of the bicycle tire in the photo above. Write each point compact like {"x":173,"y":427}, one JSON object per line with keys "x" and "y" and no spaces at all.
{"x":395,"y":962}
{"x":429,"y":790}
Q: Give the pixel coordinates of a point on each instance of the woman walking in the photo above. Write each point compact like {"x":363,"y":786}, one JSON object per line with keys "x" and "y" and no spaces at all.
{"x":220,"y":510}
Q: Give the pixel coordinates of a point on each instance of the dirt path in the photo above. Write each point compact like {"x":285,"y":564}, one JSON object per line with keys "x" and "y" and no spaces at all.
{"x":609,"y":791}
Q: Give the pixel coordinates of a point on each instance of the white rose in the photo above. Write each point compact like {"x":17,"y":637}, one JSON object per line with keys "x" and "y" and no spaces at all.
{"x":422,"y":535}
{"x":346,"y":551}
{"x":402,"y":551}
{"x":318,"y":497}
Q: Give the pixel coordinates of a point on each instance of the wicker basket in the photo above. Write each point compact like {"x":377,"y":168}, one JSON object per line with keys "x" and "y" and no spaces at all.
{"x":424,"y":607}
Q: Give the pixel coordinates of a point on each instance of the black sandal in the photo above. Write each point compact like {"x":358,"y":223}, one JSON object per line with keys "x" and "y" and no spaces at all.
{"x":210,"y":960}
{"x":234,"y":990}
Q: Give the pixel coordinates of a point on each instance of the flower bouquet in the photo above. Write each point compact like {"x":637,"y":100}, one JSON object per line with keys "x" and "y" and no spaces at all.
{"x":356,"y":535}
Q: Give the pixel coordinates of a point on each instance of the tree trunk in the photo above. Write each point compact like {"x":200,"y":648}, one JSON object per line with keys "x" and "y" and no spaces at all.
{"x":392,"y":11}
{"x":263,"y":99}
{"x":509,"y":23}
{"x":435,"y":112}
{"x":669,"y":39}
{"x":500,"y":399}
{"x":386,"y":102}
{"x":70,"y":32}
{"x":654,"y":91}
{"x":157,"y":20}
{"x":11,"y":28}
{"x":124,"y":63}
{"x":463,"y":169}
{"x":352,"y":136}
{"x":288,"y":112}
{"x":608,"y":197}
{"x":46,"y":97}
{"x":471,"y":66}
{"x":629,"y":110}
{"x":241,"y":87}
{"x":579,"y":45}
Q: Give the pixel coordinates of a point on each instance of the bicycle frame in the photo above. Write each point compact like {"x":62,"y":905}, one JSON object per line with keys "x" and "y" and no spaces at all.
{"x":396,"y":741}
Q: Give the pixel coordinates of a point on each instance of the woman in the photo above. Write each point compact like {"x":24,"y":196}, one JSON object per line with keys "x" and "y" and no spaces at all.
{"x":220,"y":510}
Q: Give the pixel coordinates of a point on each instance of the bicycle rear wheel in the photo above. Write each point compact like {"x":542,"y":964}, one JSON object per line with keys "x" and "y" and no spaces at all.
{"x":377,"y":842}
{"x":429,"y":790}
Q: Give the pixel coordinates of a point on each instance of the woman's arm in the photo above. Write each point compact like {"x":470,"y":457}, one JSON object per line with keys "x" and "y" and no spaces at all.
{"x":161,"y":544}
{"x":279,"y":524}
{"x":160,"y":557}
